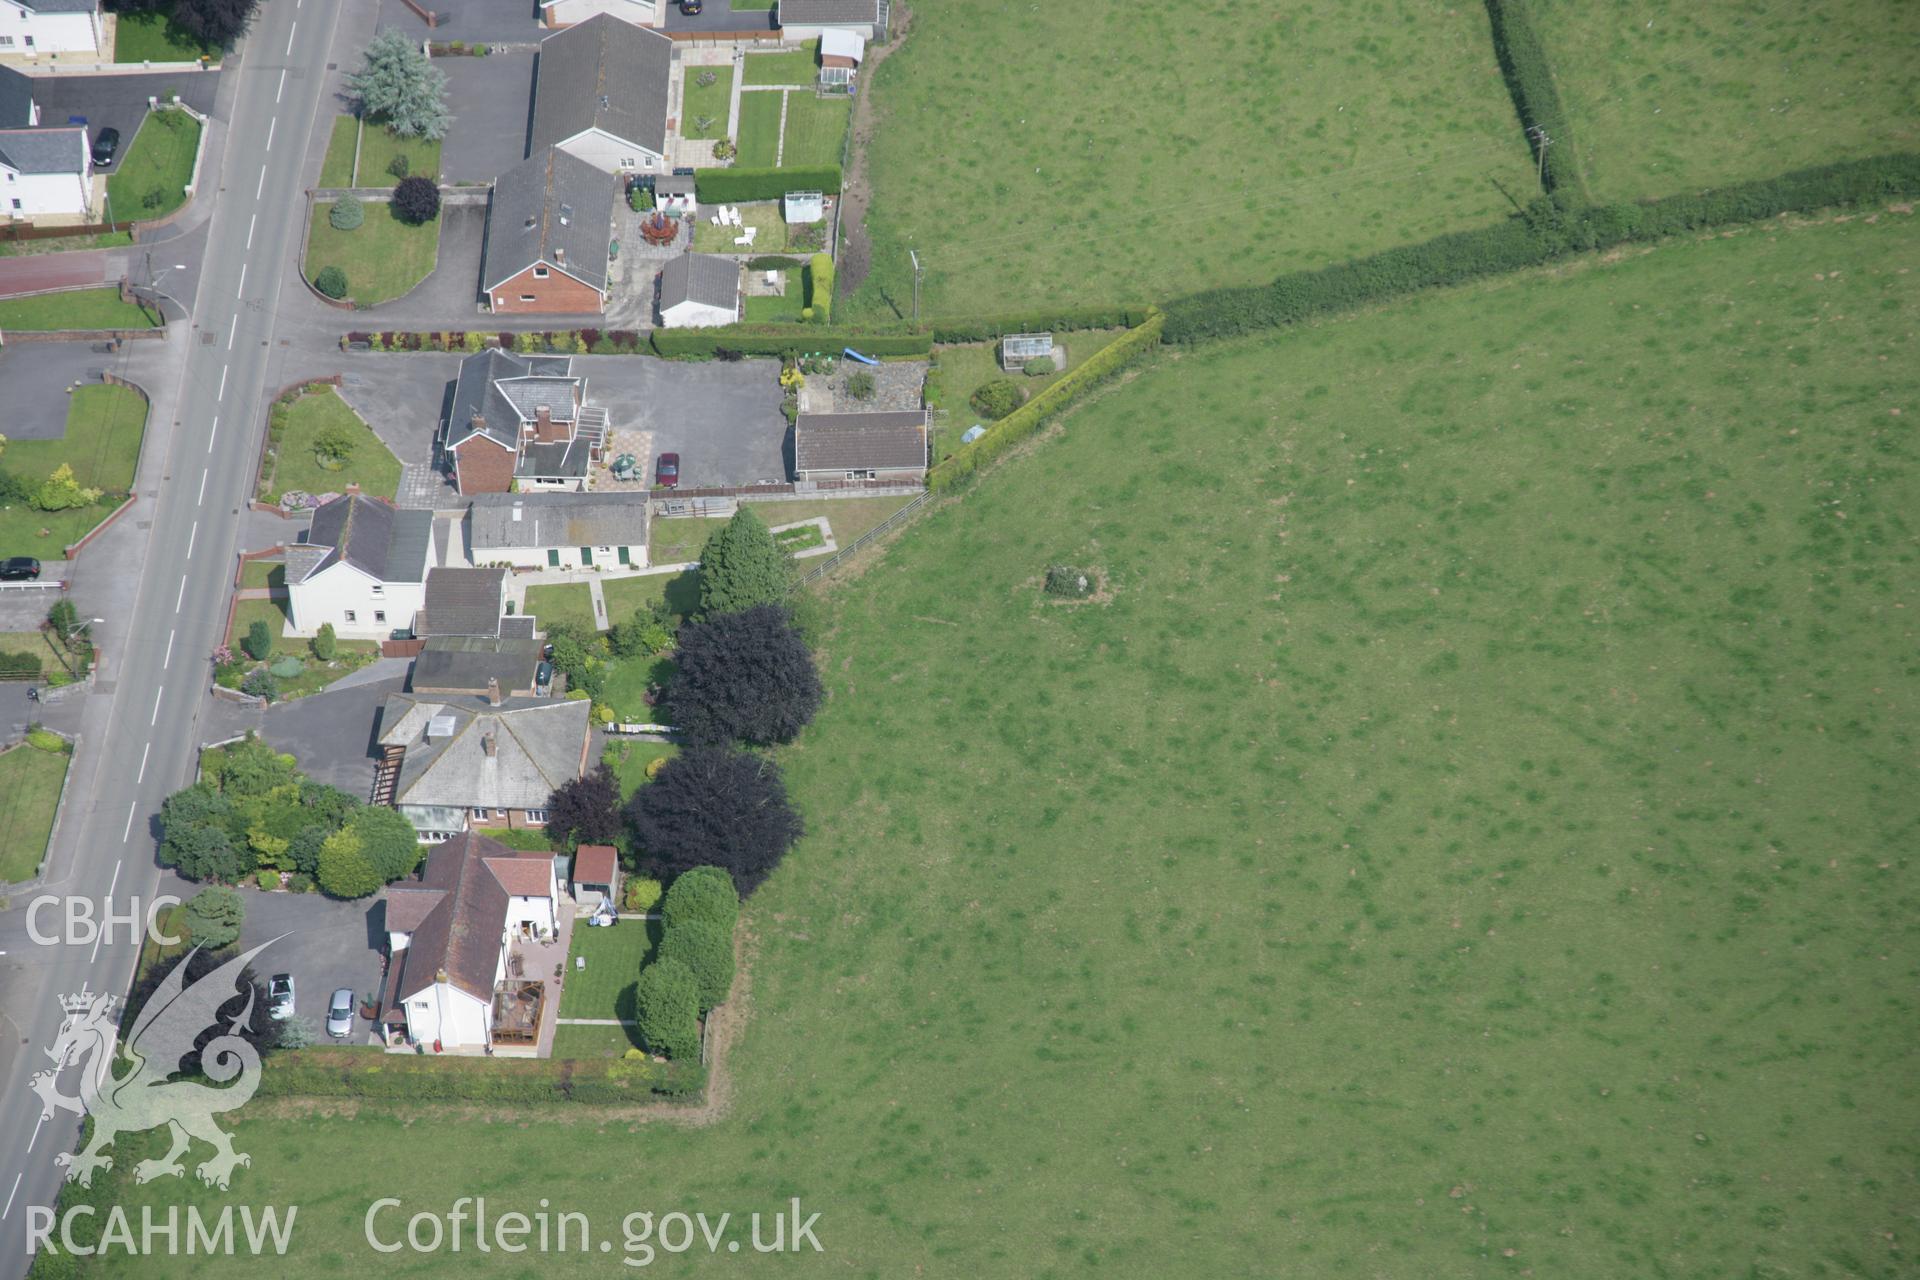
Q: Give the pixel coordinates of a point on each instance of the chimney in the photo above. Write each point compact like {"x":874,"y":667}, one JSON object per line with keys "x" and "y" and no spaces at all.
{"x":542,"y":418}
{"x":494,"y":698}
{"x":488,"y":745}
{"x":479,"y":422}
{"x":560,"y":254}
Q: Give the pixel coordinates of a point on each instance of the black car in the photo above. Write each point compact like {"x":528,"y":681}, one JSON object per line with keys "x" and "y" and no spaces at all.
{"x":19,"y":568}
{"x":690,"y":7}
{"x":105,"y":146}
{"x":543,"y":677}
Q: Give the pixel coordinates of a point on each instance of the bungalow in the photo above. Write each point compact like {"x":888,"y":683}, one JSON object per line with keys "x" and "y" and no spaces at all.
{"x":460,"y":943}
{"x":32,"y":27}
{"x":861,"y":446}
{"x":463,"y":602}
{"x":559,"y":530}
{"x":361,"y":566}
{"x":565,"y":13}
{"x":454,"y":762}
{"x":803,"y":20}
{"x":521,"y":420}
{"x":698,"y":290}
{"x":549,"y":232}
{"x":600,"y":93}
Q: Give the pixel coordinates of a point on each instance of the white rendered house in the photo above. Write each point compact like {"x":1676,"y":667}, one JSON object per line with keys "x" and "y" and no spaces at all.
{"x":31,"y":28}
{"x":362,"y":567}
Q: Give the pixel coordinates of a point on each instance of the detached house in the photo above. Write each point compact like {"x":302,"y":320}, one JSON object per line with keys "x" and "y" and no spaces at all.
{"x":521,"y":419}
{"x":362,"y":566}
{"x":33,"y":27}
{"x":450,"y":763}
{"x":549,"y":232}
{"x":861,"y":446}
{"x":43,"y":172}
{"x":600,"y":93}
{"x":467,"y":945}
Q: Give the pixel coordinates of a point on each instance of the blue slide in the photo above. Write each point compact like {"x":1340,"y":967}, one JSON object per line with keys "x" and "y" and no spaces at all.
{"x":851,"y":354}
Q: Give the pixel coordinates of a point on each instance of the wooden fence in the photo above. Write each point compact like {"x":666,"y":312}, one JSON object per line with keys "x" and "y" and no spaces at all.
{"x":893,"y":521}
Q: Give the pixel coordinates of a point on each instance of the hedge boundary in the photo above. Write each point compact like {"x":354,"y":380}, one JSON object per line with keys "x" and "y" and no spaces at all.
{"x":333,"y":1071}
{"x":717,"y":186}
{"x":1549,"y":229}
{"x":778,"y":339}
{"x":1536,"y":94}
{"x":990,"y":328}
{"x":1043,"y":408}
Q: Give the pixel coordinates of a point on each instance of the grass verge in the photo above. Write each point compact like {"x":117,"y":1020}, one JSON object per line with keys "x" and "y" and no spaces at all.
{"x":151,"y":180}
{"x":105,"y":425}
{"x":74,"y":309}
{"x":383,"y":257}
{"x":30,"y":781}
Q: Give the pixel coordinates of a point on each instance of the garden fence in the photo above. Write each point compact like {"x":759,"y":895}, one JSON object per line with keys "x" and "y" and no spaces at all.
{"x":897,"y":518}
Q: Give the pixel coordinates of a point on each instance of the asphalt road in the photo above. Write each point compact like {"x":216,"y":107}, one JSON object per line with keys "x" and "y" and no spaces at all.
{"x":105,"y":848}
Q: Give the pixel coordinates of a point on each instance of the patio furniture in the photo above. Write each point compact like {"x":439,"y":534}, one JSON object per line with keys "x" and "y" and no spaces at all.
{"x":743,"y":240}
{"x":773,"y":278}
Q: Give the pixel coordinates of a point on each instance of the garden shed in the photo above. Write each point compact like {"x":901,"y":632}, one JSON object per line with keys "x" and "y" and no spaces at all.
{"x":673,"y":193}
{"x":596,"y":876}
{"x":841,"y":53}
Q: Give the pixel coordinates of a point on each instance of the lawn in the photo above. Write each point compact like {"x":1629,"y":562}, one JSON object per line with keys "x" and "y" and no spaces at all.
{"x":604,"y":989}
{"x":706,"y":101}
{"x":784,"y":308}
{"x":797,"y":66}
{"x":151,"y":179}
{"x":627,"y":596}
{"x":350,"y":655}
{"x":337,"y":169}
{"x":679,"y":539}
{"x":799,"y":538}
{"x":296,"y":464}
{"x":380,"y":147}
{"x":772,"y":237}
{"x":759,"y":138}
{"x":30,"y":780}
{"x":263,"y":573}
{"x":105,"y":425}
{"x":1665,"y":96}
{"x":1473,"y":837}
{"x":74,"y":309}
{"x":64,"y":244}
{"x":154,"y":37}
{"x":28,"y":642}
{"x":629,"y":758}
{"x":627,"y":681}
{"x":1082,"y":152}
{"x":383,"y":257}
{"x":568,"y":602}
{"x":816,"y":130}
{"x":958,"y":371}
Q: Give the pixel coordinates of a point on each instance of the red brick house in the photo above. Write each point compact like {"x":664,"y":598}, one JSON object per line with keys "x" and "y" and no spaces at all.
{"x":521,"y":420}
{"x":549,"y":232}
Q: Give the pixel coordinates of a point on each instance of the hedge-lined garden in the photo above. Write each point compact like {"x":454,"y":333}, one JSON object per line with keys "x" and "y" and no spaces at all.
{"x":728,"y":186}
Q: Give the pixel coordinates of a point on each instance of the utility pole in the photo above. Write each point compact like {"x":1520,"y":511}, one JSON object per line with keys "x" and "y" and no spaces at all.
{"x":918,"y":270}
{"x":1540,"y":143}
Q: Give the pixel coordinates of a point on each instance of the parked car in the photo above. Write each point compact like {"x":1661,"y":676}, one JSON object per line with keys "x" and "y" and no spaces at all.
{"x":280,"y":995}
{"x":19,"y":568}
{"x":105,"y":145}
{"x":690,"y":7}
{"x":666,"y":471}
{"x":543,"y":677}
{"x":340,"y":1014}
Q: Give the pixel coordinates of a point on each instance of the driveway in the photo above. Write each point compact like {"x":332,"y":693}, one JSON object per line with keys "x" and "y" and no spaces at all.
{"x":489,"y":21}
{"x":120,"y":102}
{"x":718,"y":17}
{"x":402,"y":397}
{"x":492,"y":103}
{"x":723,"y":419}
{"x":34,"y":380}
{"x":326,"y":945}
{"x":449,"y":298}
{"x":331,"y":732}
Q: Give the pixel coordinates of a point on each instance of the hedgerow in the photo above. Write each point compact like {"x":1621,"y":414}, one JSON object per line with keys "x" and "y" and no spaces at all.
{"x":1529,"y":76}
{"x":715,"y":186}
{"x":987,"y":328}
{"x":338,"y":1072}
{"x":777,"y":339}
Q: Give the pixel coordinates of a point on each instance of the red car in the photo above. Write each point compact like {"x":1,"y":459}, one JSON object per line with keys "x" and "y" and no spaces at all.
{"x":666,"y":471}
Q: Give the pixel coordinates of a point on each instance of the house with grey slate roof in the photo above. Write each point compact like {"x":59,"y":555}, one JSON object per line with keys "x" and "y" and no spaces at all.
{"x":549,"y":232}
{"x":889,"y":445}
{"x":362,"y":566}
{"x":35,"y":28}
{"x":698,"y":290}
{"x":803,"y":20}
{"x":559,"y":530}
{"x":451,"y":762}
{"x":521,"y":421}
{"x":44,"y":172}
{"x":601,"y":92}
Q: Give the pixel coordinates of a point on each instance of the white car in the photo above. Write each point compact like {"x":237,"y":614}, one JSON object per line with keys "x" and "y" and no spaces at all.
{"x":340,"y":1014}
{"x":280,"y":995}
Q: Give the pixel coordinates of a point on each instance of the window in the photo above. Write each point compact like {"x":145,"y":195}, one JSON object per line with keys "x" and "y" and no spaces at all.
{"x":379,"y":589}
{"x":540,"y":273}
{"x":379,"y":615}
{"x":6,"y":42}
{"x":527,"y":297}
{"x":861,"y":475}
{"x":352,"y":616}
{"x":537,"y":815}
{"x":480,"y":813}
{"x":626,"y":162}
{"x":16,"y":203}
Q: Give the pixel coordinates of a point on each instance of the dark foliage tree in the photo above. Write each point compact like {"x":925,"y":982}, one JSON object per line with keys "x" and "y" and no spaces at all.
{"x":667,"y":1006}
{"x":714,"y":806}
{"x":259,"y":1030}
{"x":586,"y":810}
{"x":416,"y":200}
{"x":707,"y":951}
{"x":704,"y":894}
{"x":387,"y":841}
{"x":327,"y":805}
{"x":742,"y":566}
{"x":215,"y":916}
{"x":304,"y":849}
{"x":743,"y":677}
{"x":218,"y":22}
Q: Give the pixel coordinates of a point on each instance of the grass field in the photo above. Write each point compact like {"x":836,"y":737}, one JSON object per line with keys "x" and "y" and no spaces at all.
{"x":64,"y":244}
{"x":759,"y":139}
{"x":296,"y":463}
{"x":1084,"y":152}
{"x":28,"y":642}
{"x":1666,"y":97}
{"x":1472,"y":835}
{"x":154,"y":37}
{"x":151,"y":179}
{"x":783,"y":308}
{"x":105,"y":425}
{"x":383,"y":257}
{"x":797,"y":66}
{"x":30,"y":781}
{"x":568,"y":602}
{"x":772,"y":236}
{"x":336,"y":170}
{"x":816,"y":129}
{"x":350,"y":655}
{"x":74,"y":309}
{"x":627,"y":681}
{"x":706,"y":102}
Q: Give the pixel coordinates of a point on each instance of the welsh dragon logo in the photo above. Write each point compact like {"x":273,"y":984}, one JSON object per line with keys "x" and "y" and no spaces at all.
{"x":146,"y":1097}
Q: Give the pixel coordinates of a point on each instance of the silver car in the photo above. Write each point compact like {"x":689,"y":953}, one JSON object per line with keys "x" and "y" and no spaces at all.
{"x":340,"y":1014}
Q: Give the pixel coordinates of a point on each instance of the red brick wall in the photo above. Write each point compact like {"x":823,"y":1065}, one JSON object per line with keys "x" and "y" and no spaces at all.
{"x":552,"y":433}
{"x":482,"y":465}
{"x":558,"y":293}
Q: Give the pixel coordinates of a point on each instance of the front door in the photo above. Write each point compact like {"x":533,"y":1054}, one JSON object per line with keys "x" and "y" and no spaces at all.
{"x":553,"y":557}
{"x":586,"y":557}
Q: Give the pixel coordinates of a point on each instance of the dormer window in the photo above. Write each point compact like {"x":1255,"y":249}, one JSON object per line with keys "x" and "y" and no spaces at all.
{"x":540,"y":273}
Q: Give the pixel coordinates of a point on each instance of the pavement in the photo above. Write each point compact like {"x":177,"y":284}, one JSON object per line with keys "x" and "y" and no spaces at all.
{"x":331,"y":732}
{"x":717,"y":16}
{"x":323,"y":943}
{"x":450,"y":295}
{"x":161,"y":575}
{"x":492,"y":103}
{"x":489,"y":21}
{"x":722,"y":418}
{"x":38,"y":377}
